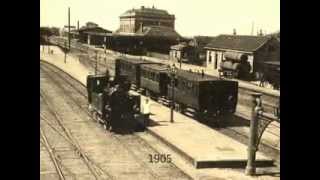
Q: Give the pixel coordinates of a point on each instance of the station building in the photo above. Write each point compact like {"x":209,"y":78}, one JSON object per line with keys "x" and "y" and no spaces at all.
{"x":192,"y":51}
{"x":257,"y":48}
{"x":145,"y":30}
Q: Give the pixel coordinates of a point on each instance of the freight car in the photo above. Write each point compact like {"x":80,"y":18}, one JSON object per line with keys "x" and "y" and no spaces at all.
{"x":110,"y":103}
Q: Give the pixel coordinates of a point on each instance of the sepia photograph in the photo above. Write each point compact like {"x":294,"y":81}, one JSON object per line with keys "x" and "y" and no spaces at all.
{"x":159,"y":89}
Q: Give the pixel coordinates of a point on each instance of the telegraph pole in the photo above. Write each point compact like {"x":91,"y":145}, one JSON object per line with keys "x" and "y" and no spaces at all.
{"x":69,"y":40}
{"x":173,"y":73}
{"x":65,"y":52}
{"x":96,"y":66}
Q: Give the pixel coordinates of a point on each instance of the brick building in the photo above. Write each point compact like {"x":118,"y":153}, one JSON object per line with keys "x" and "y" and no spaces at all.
{"x":145,"y":31}
{"x":134,"y":19}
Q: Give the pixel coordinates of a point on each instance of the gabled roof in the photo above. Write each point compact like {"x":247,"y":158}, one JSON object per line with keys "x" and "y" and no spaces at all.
{"x":238,"y":42}
{"x":201,"y":41}
{"x":179,"y":46}
{"x":93,"y":29}
{"x":159,"y":31}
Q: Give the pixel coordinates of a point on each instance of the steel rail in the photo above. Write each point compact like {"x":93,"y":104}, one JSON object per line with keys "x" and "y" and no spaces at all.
{"x":86,"y":159}
{"x":52,"y":156}
{"x":143,"y":164}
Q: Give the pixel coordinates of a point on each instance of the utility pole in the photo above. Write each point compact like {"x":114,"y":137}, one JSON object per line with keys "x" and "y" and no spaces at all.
{"x":69,"y":40}
{"x":65,"y":52}
{"x":173,"y":73}
{"x":96,"y":66}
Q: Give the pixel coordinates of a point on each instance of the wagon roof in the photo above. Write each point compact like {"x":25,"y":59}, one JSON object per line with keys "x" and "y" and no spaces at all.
{"x":193,"y":76}
{"x":135,"y":61}
{"x":156,"y":67}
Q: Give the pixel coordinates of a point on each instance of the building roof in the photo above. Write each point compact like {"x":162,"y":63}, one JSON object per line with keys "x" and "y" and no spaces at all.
{"x":93,"y":29}
{"x":99,"y":33}
{"x":201,"y":41}
{"x":179,"y":46}
{"x":159,"y":31}
{"x":147,"y":12}
{"x":238,"y":42}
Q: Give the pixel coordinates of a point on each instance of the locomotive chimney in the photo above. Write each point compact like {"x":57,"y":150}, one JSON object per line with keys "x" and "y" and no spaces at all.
{"x":142,"y":7}
{"x":78,"y":26}
{"x":234,"y":32}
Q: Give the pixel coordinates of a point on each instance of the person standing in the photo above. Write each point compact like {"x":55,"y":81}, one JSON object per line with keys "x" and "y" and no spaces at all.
{"x":146,"y":111}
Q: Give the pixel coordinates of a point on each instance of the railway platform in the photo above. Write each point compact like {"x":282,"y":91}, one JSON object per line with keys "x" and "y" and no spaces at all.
{"x":200,"y":145}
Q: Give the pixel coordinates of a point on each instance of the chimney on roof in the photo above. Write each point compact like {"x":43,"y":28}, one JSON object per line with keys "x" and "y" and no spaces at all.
{"x":234,"y":32}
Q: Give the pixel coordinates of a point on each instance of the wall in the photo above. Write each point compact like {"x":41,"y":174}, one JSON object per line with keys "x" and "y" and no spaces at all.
{"x":216,"y":57}
{"x":265,"y":54}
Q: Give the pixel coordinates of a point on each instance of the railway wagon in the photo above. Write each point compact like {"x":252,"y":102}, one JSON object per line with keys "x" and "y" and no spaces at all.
{"x":154,"y":79}
{"x":130,"y":68}
{"x":208,"y":95}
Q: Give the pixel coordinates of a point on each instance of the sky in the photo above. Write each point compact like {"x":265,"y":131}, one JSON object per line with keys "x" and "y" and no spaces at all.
{"x":193,"y":17}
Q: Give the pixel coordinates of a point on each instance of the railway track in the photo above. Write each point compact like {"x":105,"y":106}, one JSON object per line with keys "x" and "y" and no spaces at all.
{"x":238,"y":134}
{"x":77,"y":88}
{"x":65,"y":133}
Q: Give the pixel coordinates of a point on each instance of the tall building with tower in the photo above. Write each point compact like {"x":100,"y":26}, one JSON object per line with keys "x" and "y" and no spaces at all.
{"x":134,"y":20}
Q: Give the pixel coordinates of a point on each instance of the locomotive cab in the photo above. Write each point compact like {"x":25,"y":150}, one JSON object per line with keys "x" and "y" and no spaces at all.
{"x":95,"y":87}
